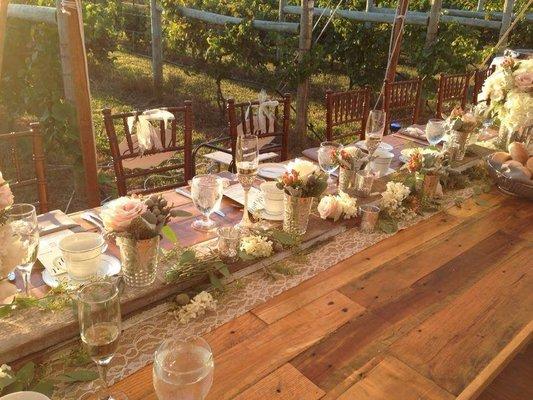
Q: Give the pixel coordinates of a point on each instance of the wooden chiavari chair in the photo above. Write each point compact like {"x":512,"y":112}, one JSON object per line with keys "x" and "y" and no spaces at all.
{"x":402,"y":101}
{"x":480,"y":75}
{"x":349,"y":108}
{"x":238,"y":122}
{"x":15,"y":172}
{"x":454,"y":89}
{"x":152,"y":163}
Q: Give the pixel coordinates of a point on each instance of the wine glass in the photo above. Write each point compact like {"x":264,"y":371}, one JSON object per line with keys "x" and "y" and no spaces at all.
{"x":327,"y":158}
{"x":23,"y":221}
{"x":183,"y":369}
{"x":435,"y":129}
{"x":100,"y":327}
{"x":206,"y":194}
{"x":247,"y":161}
{"x":375,"y":128}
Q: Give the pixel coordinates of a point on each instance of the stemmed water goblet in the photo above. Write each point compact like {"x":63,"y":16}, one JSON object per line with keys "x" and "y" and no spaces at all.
{"x":247,"y":162}
{"x":183,"y":369}
{"x":435,"y":130}
{"x":206,"y":194}
{"x":327,"y":158}
{"x":23,"y":221}
{"x":375,"y":128}
{"x":100,"y":327}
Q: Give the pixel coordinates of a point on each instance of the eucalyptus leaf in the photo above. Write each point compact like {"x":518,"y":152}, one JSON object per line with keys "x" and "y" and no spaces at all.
{"x":26,"y":373}
{"x":180,"y":213}
{"x":188,"y":256}
{"x":215,"y":281}
{"x":45,"y":387}
{"x":5,"y":381}
{"x":169,"y":234}
{"x":245,"y":256}
{"x":225,"y":271}
{"x":283,"y":237}
{"x":16,"y":386}
{"x":81,"y":375}
{"x":481,"y":202}
{"x":5,"y":310}
{"x":387,"y":225}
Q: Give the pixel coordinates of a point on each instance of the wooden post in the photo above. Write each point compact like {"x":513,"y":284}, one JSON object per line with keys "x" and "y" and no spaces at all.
{"x":480,"y":5}
{"x":302,"y":92}
{"x":157,"y":48}
{"x":82,"y":97}
{"x":506,"y":19}
{"x":433,"y":23}
{"x":3,"y":29}
{"x":397,"y":37}
{"x":62,"y":30}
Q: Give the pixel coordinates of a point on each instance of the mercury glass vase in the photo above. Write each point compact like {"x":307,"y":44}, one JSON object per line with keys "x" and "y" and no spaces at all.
{"x":347,"y":180}
{"x":429,"y":186}
{"x":461,"y":141}
{"x":139,"y":260}
{"x":296,"y":211}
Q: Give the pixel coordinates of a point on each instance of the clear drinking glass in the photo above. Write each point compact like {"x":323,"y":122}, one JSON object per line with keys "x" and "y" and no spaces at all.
{"x":375,"y":128}
{"x":229,"y":239}
{"x":327,"y":158}
{"x":435,"y":130}
{"x":206,"y":194}
{"x":364,"y":180}
{"x":183,"y":369}
{"x":23,"y":221}
{"x":100,"y":327}
{"x":247,"y":162}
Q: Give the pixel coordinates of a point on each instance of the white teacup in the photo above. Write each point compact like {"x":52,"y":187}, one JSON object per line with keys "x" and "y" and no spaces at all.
{"x":382,"y":161}
{"x":273,"y":198}
{"x":82,"y":254}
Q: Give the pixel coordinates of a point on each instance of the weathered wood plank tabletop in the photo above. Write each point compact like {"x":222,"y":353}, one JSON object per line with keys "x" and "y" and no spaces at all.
{"x":433,"y":312}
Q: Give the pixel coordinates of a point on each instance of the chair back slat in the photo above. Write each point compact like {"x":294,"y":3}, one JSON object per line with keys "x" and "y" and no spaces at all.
{"x":278,"y":129}
{"x":452,"y":89}
{"x":480,"y":75}
{"x":13,"y":141}
{"x":401,"y":101}
{"x":347,"y":108}
{"x":116,"y":126}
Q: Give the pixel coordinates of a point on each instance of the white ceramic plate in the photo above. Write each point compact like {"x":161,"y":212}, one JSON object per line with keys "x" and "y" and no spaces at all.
{"x":25,"y":396}
{"x":271,"y":170}
{"x":384,"y":146}
{"x":110,"y":266}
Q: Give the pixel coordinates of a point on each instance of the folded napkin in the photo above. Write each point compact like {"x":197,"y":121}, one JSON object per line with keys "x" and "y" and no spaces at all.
{"x":147,"y":134}
{"x":311,"y":153}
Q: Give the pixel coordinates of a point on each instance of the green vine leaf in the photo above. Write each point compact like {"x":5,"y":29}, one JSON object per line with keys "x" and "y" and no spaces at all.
{"x":26,"y":374}
{"x":215,"y":281}
{"x":45,"y":387}
{"x":5,"y":381}
{"x":388,"y":226}
{"x":169,"y":234}
{"x":81,"y":375}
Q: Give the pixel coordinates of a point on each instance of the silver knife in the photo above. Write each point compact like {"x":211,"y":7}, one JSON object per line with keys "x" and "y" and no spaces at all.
{"x":183,"y":192}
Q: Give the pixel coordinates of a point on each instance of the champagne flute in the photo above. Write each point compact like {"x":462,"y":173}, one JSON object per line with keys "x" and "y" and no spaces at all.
{"x":206,"y":194}
{"x":183,"y":369}
{"x":375,"y":128}
{"x":23,"y":221}
{"x":327,"y":158}
{"x":100,"y":327}
{"x":435,"y":129}
{"x":247,"y":161}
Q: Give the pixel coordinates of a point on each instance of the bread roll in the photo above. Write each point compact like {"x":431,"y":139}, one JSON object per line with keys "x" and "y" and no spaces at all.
{"x":500,"y":157}
{"x":529,"y":164}
{"x":512,"y":164}
{"x":518,"y":152}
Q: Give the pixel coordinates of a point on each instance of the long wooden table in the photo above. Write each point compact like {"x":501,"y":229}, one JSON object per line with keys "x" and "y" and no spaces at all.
{"x":434,"y":312}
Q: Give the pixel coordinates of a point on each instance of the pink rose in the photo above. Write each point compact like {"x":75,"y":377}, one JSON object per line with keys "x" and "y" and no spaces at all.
{"x":118,"y":214}
{"x":524,"y":81}
{"x":6,"y":197}
{"x":330,"y":207}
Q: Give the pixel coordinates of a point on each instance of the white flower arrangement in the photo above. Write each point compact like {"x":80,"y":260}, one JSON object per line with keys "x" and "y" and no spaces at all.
{"x":303,"y":179}
{"x":199,"y":305}
{"x":507,"y":94}
{"x":392,"y":200}
{"x":257,"y":246}
{"x":337,"y":206}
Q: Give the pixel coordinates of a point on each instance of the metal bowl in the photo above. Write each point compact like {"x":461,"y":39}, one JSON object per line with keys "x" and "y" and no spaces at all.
{"x":508,"y":185}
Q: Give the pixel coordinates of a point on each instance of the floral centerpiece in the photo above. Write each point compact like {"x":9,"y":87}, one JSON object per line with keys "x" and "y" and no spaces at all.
{"x":337,"y":206}
{"x":137,"y":224}
{"x":507,"y":96}
{"x":302,"y":183}
{"x":428,"y":168}
{"x":351,"y":159}
{"x":461,"y":126}
{"x":11,"y":250}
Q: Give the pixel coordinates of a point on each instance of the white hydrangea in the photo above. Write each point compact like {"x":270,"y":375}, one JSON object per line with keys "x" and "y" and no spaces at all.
{"x":198,"y":306}
{"x":5,"y":371}
{"x":393,"y":197}
{"x":11,"y":252}
{"x":517,"y":110}
{"x":257,"y":246}
{"x":349,"y":205}
{"x":304,"y":168}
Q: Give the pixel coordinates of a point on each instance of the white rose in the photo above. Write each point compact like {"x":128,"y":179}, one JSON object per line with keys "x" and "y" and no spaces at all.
{"x":330,"y":207}
{"x":304,"y":168}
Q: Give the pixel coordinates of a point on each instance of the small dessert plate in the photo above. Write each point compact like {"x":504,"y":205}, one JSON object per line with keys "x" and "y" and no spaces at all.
{"x":271,"y":170}
{"x":110,"y":266}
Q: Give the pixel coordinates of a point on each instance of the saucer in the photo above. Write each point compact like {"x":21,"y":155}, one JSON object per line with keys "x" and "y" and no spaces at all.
{"x":384,"y":146}
{"x":257,"y":208}
{"x":271,"y":170}
{"x":110,"y":265}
